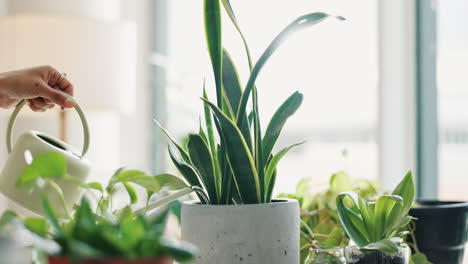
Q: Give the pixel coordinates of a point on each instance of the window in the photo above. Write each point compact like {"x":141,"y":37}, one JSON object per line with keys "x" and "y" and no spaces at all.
{"x":452,"y":80}
{"x":334,"y":64}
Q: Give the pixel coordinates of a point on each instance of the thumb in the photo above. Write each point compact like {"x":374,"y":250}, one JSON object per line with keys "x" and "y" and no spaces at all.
{"x":55,"y":96}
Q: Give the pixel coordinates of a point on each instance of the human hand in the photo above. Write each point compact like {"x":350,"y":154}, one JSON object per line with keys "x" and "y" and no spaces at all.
{"x":38,"y":86}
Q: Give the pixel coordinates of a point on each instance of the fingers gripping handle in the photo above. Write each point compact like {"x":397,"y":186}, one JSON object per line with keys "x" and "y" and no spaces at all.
{"x":79,"y":110}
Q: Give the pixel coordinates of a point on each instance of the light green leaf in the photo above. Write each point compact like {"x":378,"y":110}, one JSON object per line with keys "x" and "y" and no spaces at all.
{"x":93,"y":185}
{"x":140,"y":178}
{"x":132,"y":193}
{"x":383,"y":207}
{"x":37,"y":225}
{"x":419,"y":258}
{"x":171,"y":182}
{"x":340,"y":182}
{"x":277,"y":122}
{"x":44,"y":165}
{"x":388,"y":246}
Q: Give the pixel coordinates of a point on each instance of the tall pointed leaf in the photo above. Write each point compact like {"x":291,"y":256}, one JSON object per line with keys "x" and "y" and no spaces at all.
{"x":277,"y":122}
{"x":211,"y":139}
{"x":258,"y":154}
{"x":298,"y":24}
{"x":271,"y":168}
{"x":187,"y":172}
{"x":182,"y":151}
{"x":203,"y":162}
{"x":232,"y":16}
{"x":240,"y":159}
{"x":214,"y":42}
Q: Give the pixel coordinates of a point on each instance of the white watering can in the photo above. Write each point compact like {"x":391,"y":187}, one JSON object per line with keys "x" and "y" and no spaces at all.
{"x":36,"y":143}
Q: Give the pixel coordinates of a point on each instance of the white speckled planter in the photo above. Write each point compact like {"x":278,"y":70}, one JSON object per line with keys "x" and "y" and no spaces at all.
{"x":248,"y":234}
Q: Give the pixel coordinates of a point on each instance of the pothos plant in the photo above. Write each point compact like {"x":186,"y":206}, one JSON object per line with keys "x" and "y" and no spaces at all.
{"x":239,"y":167}
{"x":378,"y":225}
{"x":102,"y":232}
{"x":320,"y":224}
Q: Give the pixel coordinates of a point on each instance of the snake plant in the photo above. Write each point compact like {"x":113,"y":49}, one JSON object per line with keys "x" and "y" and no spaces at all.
{"x":240,"y":166}
{"x":376,"y":225}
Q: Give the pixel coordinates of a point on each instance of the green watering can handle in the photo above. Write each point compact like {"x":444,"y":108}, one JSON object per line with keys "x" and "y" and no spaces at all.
{"x":84,"y":122}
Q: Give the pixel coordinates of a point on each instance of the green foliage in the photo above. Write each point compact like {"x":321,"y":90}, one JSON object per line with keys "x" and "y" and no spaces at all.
{"x":376,"y":225}
{"x":320,"y":225}
{"x":240,"y":167}
{"x":101,"y":232}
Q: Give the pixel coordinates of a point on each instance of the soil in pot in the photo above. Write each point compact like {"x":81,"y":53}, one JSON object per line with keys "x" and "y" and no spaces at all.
{"x":355,"y":255}
{"x":376,"y":258}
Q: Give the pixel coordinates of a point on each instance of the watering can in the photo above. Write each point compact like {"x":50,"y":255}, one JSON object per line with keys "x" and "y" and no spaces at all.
{"x":36,"y":143}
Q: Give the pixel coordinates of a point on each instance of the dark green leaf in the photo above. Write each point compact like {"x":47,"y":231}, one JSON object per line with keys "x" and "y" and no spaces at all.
{"x":277,"y":122}
{"x":298,"y":24}
{"x":182,"y":150}
{"x":271,"y":168}
{"x":214,"y":42}
{"x":240,"y":159}
{"x":201,"y":159}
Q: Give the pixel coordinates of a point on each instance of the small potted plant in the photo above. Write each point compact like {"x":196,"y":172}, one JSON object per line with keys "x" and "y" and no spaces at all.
{"x":99,"y":235}
{"x":236,"y":219}
{"x":375,"y":227}
{"x":322,"y":236}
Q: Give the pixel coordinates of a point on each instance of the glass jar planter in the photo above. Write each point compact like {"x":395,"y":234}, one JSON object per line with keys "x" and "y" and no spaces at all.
{"x":355,"y":255}
{"x":325,"y":256}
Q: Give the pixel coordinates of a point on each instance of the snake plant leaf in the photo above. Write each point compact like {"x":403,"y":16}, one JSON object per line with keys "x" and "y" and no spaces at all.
{"x":232,"y":16}
{"x":298,"y":24}
{"x":44,"y":165}
{"x":187,"y":171}
{"x":233,"y":92}
{"x":212,"y":17}
{"x":132,"y":193}
{"x":277,"y":122}
{"x":258,"y":151}
{"x":210,"y":136}
{"x":202,"y":160}
{"x":181,"y":149}
{"x":231,"y":82}
{"x":170,"y":182}
{"x":388,"y":245}
{"x":345,"y":215}
{"x":271,"y":185}
{"x":240,"y":158}
{"x":202,"y":133}
{"x":271,"y":167}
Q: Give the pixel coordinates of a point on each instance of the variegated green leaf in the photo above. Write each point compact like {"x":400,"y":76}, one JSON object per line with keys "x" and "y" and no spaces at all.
{"x":240,"y":158}
{"x":277,"y":122}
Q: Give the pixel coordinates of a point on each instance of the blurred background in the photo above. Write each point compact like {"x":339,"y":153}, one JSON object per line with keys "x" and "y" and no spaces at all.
{"x":385,"y":91}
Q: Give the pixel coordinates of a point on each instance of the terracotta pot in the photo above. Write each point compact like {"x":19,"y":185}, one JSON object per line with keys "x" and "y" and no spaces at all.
{"x":66,"y":260}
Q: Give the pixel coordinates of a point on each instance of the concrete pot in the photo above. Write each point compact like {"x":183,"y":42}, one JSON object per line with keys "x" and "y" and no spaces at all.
{"x":248,"y":233}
